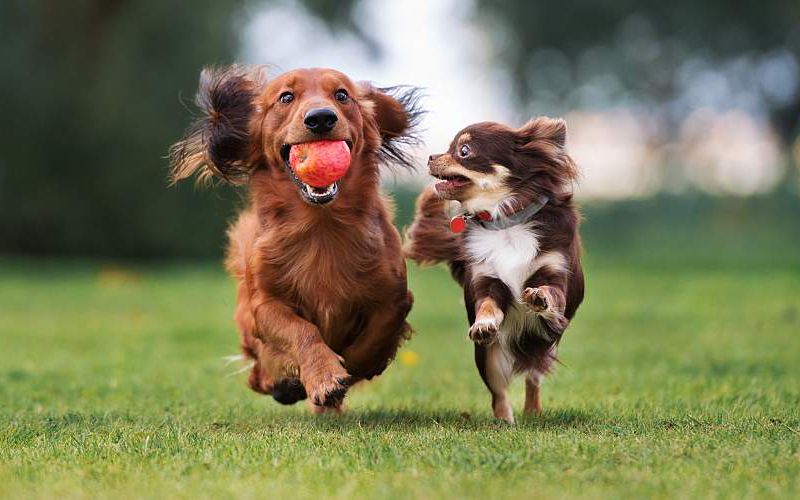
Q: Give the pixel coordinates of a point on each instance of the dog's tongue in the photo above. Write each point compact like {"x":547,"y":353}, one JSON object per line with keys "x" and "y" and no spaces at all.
{"x":320,"y":163}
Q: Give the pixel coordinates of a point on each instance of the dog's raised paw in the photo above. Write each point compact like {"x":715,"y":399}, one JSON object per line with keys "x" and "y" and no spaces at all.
{"x":536,"y":298}
{"x":484,"y":331}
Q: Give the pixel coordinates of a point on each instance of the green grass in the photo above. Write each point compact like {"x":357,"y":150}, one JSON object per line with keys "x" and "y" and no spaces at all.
{"x":676,"y":382}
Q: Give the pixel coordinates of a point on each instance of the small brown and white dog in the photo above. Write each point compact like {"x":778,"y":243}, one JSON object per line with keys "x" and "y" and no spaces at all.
{"x":322,"y":297}
{"x":514,"y":247}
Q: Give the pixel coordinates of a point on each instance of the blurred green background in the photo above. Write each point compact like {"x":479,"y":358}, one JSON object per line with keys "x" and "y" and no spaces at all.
{"x":683,"y":116}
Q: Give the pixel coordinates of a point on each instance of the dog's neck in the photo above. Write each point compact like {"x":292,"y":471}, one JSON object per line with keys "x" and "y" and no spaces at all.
{"x":505,"y":214}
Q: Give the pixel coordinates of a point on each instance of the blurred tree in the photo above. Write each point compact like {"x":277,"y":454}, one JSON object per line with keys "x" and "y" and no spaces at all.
{"x":665,"y":57}
{"x":90,"y":91}
{"x":90,"y":94}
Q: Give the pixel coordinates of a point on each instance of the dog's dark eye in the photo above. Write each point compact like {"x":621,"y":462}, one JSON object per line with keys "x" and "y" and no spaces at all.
{"x":341,"y":95}
{"x":286,"y":97}
{"x":464,"y":151}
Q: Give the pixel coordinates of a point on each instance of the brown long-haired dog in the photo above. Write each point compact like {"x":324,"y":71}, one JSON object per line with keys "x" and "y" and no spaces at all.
{"x":322,"y":296}
{"x":514,"y":247}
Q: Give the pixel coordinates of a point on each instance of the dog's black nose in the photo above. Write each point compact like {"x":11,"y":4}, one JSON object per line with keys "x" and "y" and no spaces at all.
{"x":433,"y":158}
{"x":320,"y":120}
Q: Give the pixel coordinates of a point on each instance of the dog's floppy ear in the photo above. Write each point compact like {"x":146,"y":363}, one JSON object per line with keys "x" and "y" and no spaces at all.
{"x":221,"y":142}
{"x":543,"y":141}
{"x":397,"y":113}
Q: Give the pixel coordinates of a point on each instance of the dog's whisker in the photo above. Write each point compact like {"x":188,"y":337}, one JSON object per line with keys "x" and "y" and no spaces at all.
{"x":233,"y":358}
{"x":243,"y":369}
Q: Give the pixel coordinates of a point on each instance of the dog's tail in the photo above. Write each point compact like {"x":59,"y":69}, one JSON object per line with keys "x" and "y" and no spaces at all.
{"x":429,"y":240}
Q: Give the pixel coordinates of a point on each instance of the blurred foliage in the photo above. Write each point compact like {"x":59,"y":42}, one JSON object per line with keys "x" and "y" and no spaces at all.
{"x":642,"y":47}
{"x":90,"y":91}
{"x":94,"y":92}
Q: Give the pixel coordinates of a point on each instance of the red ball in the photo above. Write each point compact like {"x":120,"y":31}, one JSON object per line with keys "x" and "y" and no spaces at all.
{"x":320,"y":163}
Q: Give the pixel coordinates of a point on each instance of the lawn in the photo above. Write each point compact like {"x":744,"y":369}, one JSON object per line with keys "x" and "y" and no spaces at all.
{"x":677,"y":380}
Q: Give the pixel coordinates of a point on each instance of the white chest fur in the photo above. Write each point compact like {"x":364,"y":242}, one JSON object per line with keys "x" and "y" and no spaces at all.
{"x":506,"y":254}
{"x":512,"y":256}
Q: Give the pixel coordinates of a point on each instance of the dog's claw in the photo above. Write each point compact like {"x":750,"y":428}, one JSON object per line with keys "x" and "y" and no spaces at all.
{"x":331,"y":397}
{"x":536,"y":299}
{"x":483,"y":332}
{"x":331,"y":390}
{"x":335,"y":397}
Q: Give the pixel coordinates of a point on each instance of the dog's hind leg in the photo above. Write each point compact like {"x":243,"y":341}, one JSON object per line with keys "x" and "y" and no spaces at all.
{"x":272,"y":367}
{"x":261,"y":377}
{"x":496,"y":369}
{"x":533,"y":403}
{"x":376,"y":346}
{"x":276,"y":375}
{"x":273,"y":372}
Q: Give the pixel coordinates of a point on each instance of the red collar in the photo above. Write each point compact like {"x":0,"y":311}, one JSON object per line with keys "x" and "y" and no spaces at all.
{"x":507,"y":217}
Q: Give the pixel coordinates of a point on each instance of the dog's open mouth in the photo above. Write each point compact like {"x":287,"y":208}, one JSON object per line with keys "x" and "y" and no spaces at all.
{"x":449,"y":183}
{"x":318,"y":195}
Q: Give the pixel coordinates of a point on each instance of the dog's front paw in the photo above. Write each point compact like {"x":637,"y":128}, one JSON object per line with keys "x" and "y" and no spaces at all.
{"x":330,"y":392}
{"x":484,"y":331}
{"x":548,"y":304}
{"x":536,"y":298}
{"x":326,"y":383}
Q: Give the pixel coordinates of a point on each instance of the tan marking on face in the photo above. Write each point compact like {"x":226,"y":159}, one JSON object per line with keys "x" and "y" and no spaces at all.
{"x":445,"y":165}
{"x":465,"y":137}
{"x":488,"y":191}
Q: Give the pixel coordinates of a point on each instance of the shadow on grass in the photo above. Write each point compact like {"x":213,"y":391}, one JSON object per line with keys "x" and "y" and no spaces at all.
{"x":247,"y":423}
{"x":409,"y":420}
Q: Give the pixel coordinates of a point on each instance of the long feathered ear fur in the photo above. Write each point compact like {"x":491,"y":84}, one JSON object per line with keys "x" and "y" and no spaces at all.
{"x":398,"y":113}
{"x":543,"y":141}
{"x":220,"y":143}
